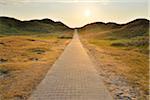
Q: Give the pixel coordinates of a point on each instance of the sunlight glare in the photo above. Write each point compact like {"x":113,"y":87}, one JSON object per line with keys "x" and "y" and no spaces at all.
{"x":87,"y":13}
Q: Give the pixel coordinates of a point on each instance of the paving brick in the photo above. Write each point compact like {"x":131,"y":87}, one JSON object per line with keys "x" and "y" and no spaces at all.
{"x":72,"y":77}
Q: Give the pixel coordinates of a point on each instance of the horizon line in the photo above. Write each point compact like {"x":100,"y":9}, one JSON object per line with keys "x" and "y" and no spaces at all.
{"x":75,"y":26}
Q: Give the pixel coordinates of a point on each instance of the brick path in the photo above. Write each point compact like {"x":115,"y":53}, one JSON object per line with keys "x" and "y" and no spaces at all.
{"x":72,"y":77}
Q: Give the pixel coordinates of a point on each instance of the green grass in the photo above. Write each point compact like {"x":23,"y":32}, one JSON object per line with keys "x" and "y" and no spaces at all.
{"x":16,"y":27}
{"x":140,"y":44}
{"x":54,"y":36}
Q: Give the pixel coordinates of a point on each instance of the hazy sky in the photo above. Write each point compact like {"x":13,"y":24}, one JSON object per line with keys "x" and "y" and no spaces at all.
{"x":76,"y":13}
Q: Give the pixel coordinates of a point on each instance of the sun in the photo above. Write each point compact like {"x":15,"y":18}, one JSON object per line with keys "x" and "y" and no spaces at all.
{"x":87,"y":13}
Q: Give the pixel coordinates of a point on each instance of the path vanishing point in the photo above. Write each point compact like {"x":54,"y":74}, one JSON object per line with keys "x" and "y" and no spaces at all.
{"x":72,"y":77}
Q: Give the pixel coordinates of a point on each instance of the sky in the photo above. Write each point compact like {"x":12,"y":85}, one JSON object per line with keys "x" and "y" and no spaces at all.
{"x":76,"y":13}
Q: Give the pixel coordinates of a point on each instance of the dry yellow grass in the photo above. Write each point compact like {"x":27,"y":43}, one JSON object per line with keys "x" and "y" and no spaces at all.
{"x":129,"y":64}
{"x":24,"y":61}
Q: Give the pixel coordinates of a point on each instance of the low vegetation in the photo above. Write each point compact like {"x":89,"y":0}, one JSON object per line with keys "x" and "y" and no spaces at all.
{"x":29,"y":48}
{"x":122,"y":51}
{"x":14,"y":26}
{"x":25,"y":60}
{"x":27,"y":51}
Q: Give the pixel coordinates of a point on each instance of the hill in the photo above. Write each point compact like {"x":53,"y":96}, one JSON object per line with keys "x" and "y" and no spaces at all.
{"x":14,"y":26}
{"x":131,"y":35}
{"x":121,"y":52}
{"x":138,"y":27}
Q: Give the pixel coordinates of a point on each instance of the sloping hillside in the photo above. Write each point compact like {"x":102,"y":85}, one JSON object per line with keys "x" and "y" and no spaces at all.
{"x":11,"y":26}
{"x":138,"y":27}
{"x":98,"y":27}
{"x":121,"y":52}
{"x":132,"y":34}
{"x":28,"y":49}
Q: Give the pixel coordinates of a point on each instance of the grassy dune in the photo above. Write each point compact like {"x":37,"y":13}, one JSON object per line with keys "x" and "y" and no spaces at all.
{"x":136,"y":69}
{"x":121,"y":51}
{"x":24,"y":61}
{"x":27,"y":51}
{"x":14,"y":26}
